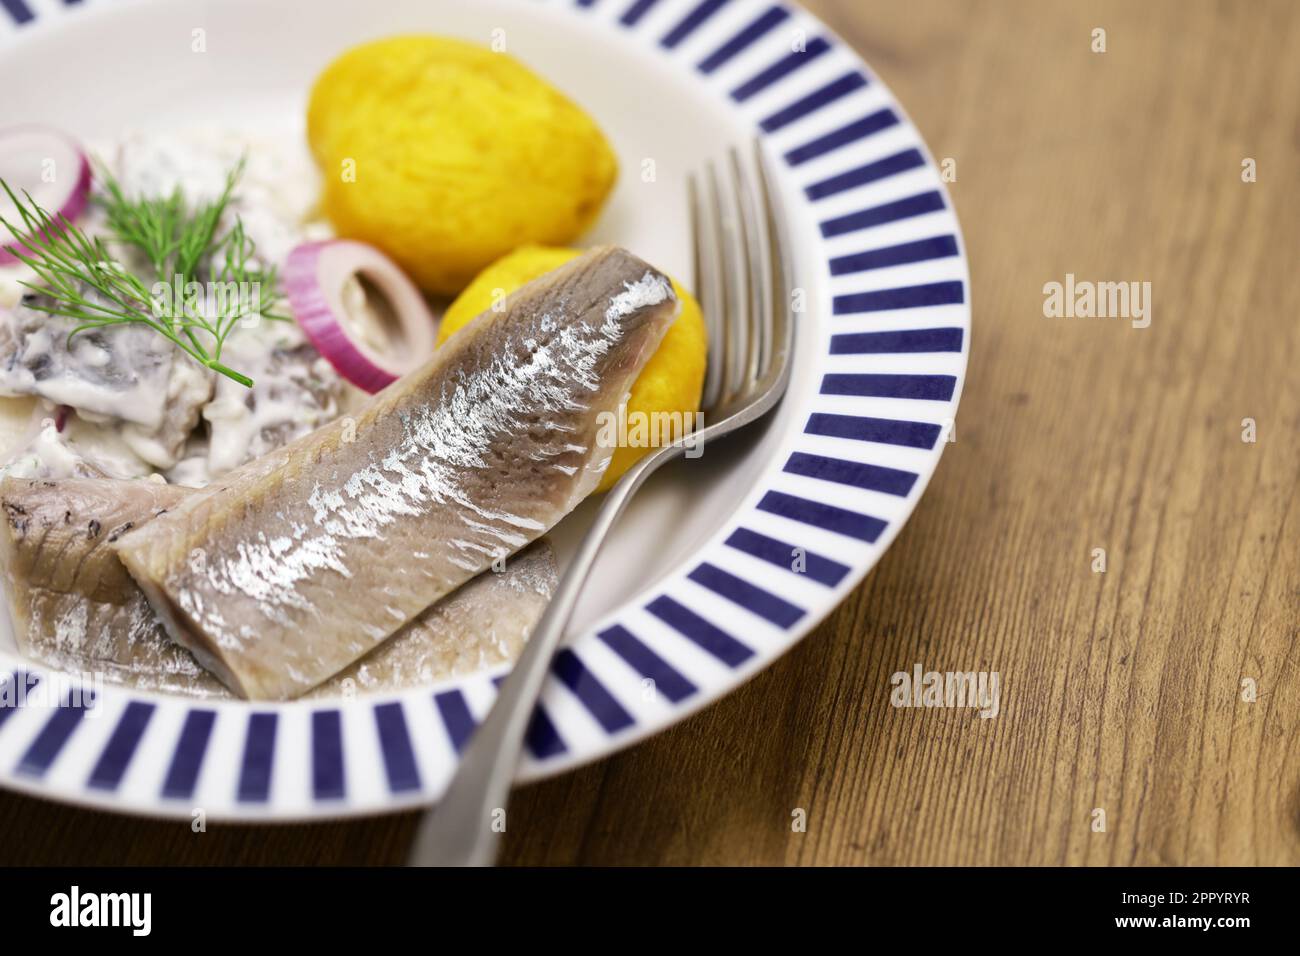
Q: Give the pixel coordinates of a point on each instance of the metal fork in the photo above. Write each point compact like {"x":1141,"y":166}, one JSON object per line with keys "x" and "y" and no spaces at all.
{"x":742,"y":276}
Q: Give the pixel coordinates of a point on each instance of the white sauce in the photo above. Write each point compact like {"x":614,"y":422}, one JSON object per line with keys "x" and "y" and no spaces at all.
{"x":47,"y":456}
{"x":294,"y":391}
{"x":139,"y":405}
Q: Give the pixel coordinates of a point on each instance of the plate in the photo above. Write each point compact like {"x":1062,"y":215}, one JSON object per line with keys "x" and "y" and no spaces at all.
{"x":724,"y":561}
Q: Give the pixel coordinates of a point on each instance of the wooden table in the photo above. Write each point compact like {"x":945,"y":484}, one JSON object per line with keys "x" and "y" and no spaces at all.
{"x":1122,"y":691}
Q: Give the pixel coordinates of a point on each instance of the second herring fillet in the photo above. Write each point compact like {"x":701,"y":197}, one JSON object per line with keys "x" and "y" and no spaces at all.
{"x":75,"y":608}
{"x":297,"y":564}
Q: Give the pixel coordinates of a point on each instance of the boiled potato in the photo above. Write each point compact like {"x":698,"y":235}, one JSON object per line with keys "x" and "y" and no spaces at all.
{"x":447,"y":156}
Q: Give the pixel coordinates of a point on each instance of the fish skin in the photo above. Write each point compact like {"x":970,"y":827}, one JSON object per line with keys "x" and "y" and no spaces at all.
{"x":123,"y":644}
{"x":72,"y":604}
{"x":296,"y":565}
{"x":59,"y":533}
{"x":98,"y":621}
{"x":482,"y":623}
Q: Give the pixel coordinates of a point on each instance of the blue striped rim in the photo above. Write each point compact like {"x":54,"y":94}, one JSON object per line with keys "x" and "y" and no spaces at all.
{"x":870,"y":173}
{"x":922,"y":250}
{"x":647,"y":663}
{"x":187,"y":758}
{"x":632,"y":16}
{"x":749,"y":596}
{"x":573,"y":674}
{"x":889,"y":481}
{"x":887,"y":431}
{"x":932,"y":388}
{"x":894,"y":343}
{"x":328,"y":777}
{"x":917,"y":205}
{"x":779,"y":70}
{"x":259,"y":756}
{"x":395,"y":744}
{"x":112,"y":763}
{"x":835,"y":90}
{"x":18,"y":11}
{"x":542,"y":737}
{"x":58,"y":730}
{"x":708,"y":636}
{"x":455,"y":717}
{"x":829,"y":142}
{"x":793,"y":558}
{"x":759,"y":28}
{"x":14,"y":689}
{"x":906,"y":297}
{"x":691,"y":22}
{"x":827,"y":517}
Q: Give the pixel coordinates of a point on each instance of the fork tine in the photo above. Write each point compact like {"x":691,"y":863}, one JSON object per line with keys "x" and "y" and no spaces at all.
{"x":708,"y":287}
{"x":741,"y":277}
{"x":780,"y":329}
{"x":757,"y":271}
{"x":735,"y":287}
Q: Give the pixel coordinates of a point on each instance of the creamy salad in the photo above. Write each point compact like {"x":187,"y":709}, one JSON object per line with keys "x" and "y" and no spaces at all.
{"x":123,"y":402}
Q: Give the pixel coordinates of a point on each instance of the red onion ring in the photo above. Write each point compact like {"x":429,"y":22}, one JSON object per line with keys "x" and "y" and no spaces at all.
{"x":315,"y":275}
{"x":29,"y":155}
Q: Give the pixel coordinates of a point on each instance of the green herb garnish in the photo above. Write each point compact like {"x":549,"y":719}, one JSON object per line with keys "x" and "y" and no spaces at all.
{"x":203,"y":286}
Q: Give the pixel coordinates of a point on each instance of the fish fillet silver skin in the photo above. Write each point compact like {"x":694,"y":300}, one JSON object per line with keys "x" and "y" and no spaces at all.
{"x":72,"y":604}
{"x":74,"y":607}
{"x":298,"y":564}
{"x":482,"y":623}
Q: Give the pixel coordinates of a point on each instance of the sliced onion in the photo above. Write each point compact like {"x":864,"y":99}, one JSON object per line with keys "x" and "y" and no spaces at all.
{"x":317,"y":277}
{"x":51,"y":168}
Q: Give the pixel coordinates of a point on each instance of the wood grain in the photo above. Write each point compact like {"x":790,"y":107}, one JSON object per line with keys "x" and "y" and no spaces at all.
{"x":1122,"y":691}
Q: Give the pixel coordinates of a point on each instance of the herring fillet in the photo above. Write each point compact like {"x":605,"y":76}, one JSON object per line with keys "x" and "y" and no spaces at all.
{"x":481,"y":623}
{"x":76,"y":609}
{"x":299,"y":563}
{"x":59,"y":533}
{"x":73,"y":605}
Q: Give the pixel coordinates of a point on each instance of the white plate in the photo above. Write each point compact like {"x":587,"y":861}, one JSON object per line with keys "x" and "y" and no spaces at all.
{"x":724,"y":562}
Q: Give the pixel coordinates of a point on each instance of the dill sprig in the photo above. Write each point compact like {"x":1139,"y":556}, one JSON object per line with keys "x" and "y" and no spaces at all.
{"x":81,"y":280}
{"x":160,"y":227}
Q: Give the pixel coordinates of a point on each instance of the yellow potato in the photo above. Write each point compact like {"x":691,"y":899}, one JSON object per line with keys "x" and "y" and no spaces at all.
{"x":670,"y":382}
{"x":447,"y":156}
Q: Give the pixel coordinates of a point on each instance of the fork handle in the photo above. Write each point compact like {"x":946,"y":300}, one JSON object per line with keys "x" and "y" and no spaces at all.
{"x":459,"y":831}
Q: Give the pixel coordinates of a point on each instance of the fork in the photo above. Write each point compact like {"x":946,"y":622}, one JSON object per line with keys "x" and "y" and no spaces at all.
{"x":742,"y":277}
